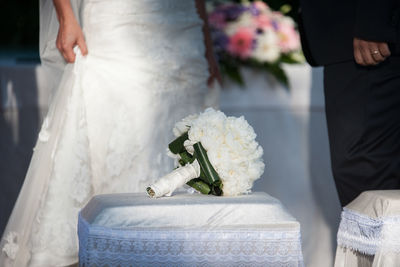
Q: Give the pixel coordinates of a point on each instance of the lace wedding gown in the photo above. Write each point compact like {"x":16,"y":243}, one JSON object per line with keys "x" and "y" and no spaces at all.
{"x":109,"y":122}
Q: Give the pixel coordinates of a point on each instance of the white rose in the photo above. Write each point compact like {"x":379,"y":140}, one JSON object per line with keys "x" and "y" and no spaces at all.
{"x":231,"y":148}
{"x":182,"y":126}
{"x":267,"y":47}
{"x":188,"y":144}
{"x":245,"y":20}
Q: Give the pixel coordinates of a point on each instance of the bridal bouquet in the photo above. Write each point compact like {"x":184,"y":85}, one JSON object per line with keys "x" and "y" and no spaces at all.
{"x":252,"y":34}
{"x":217,"y":155}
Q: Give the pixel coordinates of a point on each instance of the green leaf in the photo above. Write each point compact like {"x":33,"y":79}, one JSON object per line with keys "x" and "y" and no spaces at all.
{"x":285,"y":9}
{"x":288,"y":59}
{"x":176,"y":146}
{"x":199,"y":185}
{"x":209,"y":174}
{"x":186,"y":157}
{"x":232,"y":72}
{"x":279,"y":73}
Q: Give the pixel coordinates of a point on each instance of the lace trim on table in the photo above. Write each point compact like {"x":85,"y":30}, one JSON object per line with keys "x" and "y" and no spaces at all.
{"x":368,"y":235}
{"x":101,"y":246}
{"x":390,"y":235}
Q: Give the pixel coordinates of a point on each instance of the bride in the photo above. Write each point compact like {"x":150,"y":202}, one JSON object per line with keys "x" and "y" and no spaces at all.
{"x":138,"y":66}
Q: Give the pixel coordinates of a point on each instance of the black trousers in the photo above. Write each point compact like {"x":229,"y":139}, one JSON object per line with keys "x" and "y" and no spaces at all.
{"x":363,"y":116}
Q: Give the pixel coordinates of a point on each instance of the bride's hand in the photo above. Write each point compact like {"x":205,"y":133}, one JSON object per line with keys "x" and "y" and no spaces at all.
{"x":215,"y":74}
{"x":212,"y":62}
{"x":69,"y":35}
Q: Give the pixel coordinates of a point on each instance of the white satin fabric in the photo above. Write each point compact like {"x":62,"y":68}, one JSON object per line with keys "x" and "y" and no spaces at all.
{"x":188,"y":211}
{"x":110,"y":119}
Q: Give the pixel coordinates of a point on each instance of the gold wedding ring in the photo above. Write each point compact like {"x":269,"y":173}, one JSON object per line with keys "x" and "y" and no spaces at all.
{"x":375,"y":52}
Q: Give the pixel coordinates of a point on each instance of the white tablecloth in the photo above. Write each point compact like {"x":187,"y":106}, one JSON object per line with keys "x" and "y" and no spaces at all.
{"x":369,"y":232}
{"x":188,"y":230}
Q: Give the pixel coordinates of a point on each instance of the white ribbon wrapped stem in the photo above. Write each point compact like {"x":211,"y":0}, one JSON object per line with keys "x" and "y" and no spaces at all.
{"x":166,"y":185}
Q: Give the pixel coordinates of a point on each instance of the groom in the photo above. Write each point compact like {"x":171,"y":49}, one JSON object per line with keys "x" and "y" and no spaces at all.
{"x":357,"y":42}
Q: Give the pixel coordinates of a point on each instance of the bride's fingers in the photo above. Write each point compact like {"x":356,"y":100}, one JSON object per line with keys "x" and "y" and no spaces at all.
{"x":82,"y":46}
{"x":58,"y":45}
{"x":217,"y":74}
{"x":69,"y":54}
{"x":210,"y":81}
{"x":65,"y":56}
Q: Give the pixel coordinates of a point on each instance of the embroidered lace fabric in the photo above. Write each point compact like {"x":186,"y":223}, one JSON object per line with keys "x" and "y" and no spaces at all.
{"x":121,"y":240}
{"x":109,"y":121}
{"x":111,"y":247}
{"x":369,"y":235}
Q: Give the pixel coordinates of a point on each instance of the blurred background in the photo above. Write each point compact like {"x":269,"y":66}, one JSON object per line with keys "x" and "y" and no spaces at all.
{"x":286,"y":111}
{"x":19,"y":31}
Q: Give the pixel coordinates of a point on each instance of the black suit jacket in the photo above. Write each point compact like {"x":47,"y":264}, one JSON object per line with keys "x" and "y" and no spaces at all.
{"x":327,"y":27}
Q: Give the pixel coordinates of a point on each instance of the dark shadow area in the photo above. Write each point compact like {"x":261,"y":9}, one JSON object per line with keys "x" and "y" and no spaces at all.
{"x":19,"y":125}
{"x":19,"y":20}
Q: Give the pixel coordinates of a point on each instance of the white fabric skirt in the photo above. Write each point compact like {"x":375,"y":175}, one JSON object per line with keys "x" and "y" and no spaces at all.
{"x":109,"y":122}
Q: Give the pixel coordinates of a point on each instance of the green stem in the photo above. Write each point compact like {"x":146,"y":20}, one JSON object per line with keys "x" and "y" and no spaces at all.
{"x":199,"y":185}
{"x":209,"y":175}
{"x":177,"y":146}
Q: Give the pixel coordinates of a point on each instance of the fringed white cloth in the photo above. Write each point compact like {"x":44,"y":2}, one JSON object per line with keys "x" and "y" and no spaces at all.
{"x":368,"y":235}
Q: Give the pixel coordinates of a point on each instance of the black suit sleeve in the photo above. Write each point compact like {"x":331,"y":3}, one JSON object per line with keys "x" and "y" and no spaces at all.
{"x":377,"y":20}
{"x":304,"y":42}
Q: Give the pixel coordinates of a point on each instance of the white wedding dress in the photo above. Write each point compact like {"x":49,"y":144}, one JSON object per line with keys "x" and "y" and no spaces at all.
{"x":110,"y":120}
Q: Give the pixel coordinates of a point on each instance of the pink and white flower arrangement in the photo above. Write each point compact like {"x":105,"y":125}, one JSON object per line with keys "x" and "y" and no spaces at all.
{"x":252,"y":34}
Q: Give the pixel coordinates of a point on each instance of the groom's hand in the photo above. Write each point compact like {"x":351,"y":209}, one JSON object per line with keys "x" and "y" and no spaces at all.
{"x":368,"y":53}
